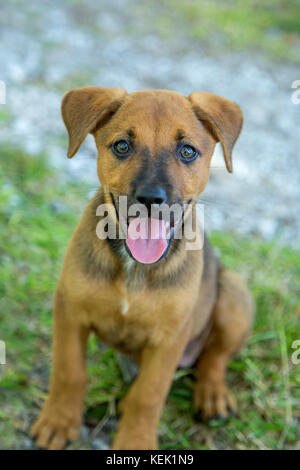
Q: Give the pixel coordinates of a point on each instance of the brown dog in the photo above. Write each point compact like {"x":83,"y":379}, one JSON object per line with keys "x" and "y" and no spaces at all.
{"x":149,"y":297}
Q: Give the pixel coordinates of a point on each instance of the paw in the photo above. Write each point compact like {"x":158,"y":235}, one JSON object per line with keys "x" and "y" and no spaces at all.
{"x":55,"y":427}
{"x":213,"y":401}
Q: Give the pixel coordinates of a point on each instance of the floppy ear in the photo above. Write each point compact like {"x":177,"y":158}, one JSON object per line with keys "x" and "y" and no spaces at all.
{"x":224,"y":119}
{"x":85,"y":108}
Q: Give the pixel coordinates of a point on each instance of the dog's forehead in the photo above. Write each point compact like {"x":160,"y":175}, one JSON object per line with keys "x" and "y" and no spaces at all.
{"x":156,"y":103}
{"x":157,"y":96}
{"x":154,"y":114}
{"x":156,"y":119}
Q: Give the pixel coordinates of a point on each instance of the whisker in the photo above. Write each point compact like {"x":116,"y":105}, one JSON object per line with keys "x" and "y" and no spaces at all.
{"x":211,"y":202}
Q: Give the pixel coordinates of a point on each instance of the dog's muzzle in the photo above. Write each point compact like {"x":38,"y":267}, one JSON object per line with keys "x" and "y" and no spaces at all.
{"x":148,"y":229}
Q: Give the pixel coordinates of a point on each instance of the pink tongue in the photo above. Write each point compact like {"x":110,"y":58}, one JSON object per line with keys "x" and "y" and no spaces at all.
{"x":146,"y":239}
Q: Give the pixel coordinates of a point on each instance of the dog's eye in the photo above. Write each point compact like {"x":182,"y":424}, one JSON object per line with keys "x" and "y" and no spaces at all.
{"x":187,"y":153}
{"x":121,"y":148}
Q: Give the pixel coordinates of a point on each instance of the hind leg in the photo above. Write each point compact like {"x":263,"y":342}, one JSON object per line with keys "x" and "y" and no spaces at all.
{"x":232,"y":319}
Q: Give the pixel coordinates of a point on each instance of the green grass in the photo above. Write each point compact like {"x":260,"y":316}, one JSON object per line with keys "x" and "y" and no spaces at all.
{"x":39,"y":210}
{"x":269,"y":26}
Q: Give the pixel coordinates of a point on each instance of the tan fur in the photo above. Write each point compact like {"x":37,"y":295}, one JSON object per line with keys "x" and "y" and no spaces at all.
{"x":149,"y":312}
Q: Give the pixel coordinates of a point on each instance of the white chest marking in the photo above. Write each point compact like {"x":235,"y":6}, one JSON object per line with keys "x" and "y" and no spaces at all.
{"x":124,"y":306}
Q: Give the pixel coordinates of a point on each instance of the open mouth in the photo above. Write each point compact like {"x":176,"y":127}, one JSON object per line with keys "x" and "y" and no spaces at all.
{"x":147,"y":239}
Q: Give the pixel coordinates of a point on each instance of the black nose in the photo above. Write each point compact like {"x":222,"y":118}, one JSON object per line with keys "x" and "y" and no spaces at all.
{"x":148,"y":195}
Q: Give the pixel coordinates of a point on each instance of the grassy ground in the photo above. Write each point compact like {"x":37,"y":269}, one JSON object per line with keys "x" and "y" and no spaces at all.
{"x":269,"y":26}
{"x":38,"y":214}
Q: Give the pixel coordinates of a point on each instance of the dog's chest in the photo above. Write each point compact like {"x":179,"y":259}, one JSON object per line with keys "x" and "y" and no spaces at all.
{"x":127,"y":320}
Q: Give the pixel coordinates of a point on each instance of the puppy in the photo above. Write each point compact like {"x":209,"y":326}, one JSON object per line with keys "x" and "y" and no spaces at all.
{"x":145,"y":291}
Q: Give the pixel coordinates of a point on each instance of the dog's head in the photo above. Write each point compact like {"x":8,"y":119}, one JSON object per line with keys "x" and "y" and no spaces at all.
{"x":155,"y":148}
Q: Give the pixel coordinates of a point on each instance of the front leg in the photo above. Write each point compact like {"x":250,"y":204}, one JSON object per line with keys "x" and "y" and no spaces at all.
{"x":142,"y":407}
{"x":60,"y":418}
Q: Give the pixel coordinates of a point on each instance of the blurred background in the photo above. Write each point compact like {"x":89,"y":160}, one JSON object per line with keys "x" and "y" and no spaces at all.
{"x":248,"y":51}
